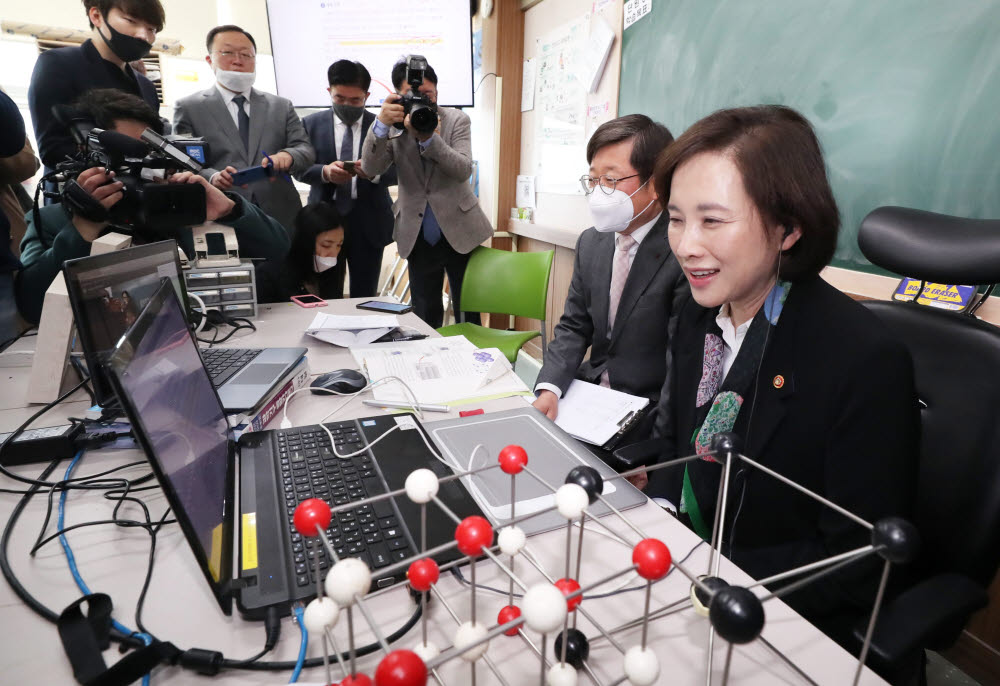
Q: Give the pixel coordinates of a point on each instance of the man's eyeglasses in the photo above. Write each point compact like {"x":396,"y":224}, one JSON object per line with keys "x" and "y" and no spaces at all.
{"x":229,"y":54}
{"x":606,"y":183}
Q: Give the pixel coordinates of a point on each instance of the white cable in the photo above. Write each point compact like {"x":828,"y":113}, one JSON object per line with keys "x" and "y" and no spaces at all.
{"x":203,"y":313}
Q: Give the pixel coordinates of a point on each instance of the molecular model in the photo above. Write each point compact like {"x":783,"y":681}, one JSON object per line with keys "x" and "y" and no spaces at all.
{"x":735,"y":613}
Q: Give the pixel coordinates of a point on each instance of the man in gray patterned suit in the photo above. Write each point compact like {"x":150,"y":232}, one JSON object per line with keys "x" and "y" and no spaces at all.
{"x":242,"y":125}
{"x":438,"y":218}
{"x":626,"y":287}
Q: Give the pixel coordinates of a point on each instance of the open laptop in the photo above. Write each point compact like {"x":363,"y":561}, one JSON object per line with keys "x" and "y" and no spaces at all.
{"x":179,"y":423}
{"x":108,"y":291}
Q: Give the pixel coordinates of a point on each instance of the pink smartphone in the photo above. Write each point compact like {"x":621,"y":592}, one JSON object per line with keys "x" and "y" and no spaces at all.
{"x":308,"y":300}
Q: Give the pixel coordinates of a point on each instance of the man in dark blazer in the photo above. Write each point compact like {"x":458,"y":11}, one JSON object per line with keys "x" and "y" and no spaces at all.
{"x":337,"y":135}
{"x":242,"y":124}
{"x":62,"y":75}
{"x":628,"y":343}
{"x":438,"y":219}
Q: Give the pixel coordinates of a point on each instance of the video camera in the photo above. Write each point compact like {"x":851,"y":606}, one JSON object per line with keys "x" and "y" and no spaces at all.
{"x":422,"y":110}
{"x":148,"y":205}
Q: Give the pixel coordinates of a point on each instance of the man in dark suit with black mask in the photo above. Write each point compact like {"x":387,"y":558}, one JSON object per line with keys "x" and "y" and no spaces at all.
{"x":122,"y":31}
{"x":337,"y":176}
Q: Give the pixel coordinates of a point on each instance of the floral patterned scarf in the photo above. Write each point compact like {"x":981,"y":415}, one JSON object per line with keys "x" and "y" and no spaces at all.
{"x":718,"y":402}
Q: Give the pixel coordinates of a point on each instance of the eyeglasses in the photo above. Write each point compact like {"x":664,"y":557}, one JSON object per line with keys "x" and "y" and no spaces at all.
{"x":606,"y":183}
{"x":228,"y":54}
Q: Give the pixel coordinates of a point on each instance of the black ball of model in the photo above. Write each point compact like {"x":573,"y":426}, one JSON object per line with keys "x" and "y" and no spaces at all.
{"x":587,"y":478}
{"x":577,"y":647}
{"x":713,"y":584}
{"x":895,"y":539}
{"x":736,"y":613}
{"x":725,"y":442}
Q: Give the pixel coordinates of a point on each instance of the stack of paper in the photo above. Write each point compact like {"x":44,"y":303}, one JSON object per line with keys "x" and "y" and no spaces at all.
{"x":348,"y":330}
{"x":439,"y":370}
{"x":594,"y":414}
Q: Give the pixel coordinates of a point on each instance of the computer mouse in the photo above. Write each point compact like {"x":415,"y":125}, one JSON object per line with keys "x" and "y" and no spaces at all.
{"x":341,"y":381}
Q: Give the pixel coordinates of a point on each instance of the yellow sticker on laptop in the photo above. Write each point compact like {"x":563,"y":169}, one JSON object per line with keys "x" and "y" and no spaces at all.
{"x":248,"y":538}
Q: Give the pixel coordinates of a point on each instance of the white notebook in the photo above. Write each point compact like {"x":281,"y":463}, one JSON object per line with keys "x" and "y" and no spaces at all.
{"x":594,"y":414}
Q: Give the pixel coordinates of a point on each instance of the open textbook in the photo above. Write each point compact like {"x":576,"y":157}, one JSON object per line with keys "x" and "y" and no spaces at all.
{"x":438,"y":370}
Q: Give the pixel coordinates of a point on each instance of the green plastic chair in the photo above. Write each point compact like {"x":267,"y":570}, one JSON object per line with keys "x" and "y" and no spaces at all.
{"x":502,"y":282}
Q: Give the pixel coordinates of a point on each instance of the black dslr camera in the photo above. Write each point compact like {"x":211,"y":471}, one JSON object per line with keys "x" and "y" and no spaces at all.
{"x":422,"y":111}
{"x":148,"y":205}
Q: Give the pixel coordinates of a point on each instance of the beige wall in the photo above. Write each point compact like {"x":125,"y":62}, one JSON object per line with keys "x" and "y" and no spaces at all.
{"x":187,"y":20}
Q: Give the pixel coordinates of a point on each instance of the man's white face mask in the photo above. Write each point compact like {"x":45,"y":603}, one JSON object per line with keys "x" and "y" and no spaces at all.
{"x":613,"y":211}
{"x":237,"y":81}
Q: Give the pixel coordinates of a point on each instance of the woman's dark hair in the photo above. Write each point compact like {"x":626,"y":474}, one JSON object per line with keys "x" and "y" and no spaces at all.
{"x":781,"y":163}
{"x":149,"y":11}
{"x":311,"y":221}
{"x":648,"y":137}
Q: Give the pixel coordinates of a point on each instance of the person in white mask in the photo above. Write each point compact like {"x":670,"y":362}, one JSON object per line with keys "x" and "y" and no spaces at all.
{"x":626,"y":284}
{"x":314,"y":263}
{"x":245,"y":127}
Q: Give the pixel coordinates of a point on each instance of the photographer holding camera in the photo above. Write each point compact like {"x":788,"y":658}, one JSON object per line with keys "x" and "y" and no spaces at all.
{"x":438,"y":218}
{"x":57,"y":234}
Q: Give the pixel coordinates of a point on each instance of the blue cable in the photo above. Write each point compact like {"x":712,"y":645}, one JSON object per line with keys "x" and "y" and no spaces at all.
{"x":300,"y":618}
{"x":71,"y":560}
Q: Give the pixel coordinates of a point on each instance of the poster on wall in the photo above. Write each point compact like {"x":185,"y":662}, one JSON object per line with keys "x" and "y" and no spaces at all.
{"x":561,"y":108}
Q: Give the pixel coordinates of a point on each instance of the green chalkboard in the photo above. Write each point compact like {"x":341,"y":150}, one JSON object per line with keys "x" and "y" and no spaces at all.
{"x":904,"y":94}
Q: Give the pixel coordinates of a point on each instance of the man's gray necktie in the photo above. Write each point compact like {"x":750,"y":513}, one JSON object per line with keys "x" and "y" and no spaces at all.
{"x":244,"y":121}
{"x":342,"y":196}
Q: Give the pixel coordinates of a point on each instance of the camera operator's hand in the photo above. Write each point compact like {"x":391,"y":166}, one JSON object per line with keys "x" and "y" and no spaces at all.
{"x":416,"y":134}
{"x":282,"y":161}
{"x":335,"y":173}
{"x":103,"y":188}
{"x":392,"y":111}
{"x":223,"y":180}
{"x":217,"y":204}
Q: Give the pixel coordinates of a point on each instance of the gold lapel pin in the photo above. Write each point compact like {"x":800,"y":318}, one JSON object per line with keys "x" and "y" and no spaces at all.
{"x":778,"y":381}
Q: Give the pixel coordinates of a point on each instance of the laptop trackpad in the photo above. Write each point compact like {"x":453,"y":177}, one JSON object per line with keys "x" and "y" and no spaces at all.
{"x":258,"y":374}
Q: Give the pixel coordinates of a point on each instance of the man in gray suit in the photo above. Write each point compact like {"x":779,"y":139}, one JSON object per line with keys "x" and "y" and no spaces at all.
{"x":244,"y":127}
{"x":438,"y":219}
{"x":626,"y":286}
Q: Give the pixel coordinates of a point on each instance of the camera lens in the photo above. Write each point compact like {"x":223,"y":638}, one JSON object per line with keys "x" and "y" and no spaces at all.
{"x":423,"y":118}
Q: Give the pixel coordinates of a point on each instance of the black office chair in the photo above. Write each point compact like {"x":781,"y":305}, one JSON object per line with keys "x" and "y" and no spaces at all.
{"x":957,"y":369}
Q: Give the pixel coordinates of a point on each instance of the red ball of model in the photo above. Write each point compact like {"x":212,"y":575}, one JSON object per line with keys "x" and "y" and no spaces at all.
{"x":401,"y":668}
{"x":652,"y":558}
{"x":568,"y":586}
{"x":512,"y":459}
{"x":422,"y":574}
{"x":473,"y":534}
{"x":309,"y":514}
{"x":356,"y":680}
{"x":506,"y":614}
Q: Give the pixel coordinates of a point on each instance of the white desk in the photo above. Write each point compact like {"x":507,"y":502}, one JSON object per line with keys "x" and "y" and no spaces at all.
{"x":180,"y":608}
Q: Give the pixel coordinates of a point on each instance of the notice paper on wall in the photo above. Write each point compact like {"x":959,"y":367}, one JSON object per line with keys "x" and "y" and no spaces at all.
{"x":636,"y":10}
{"x":525,"y":194}
{"x":528,"y":86}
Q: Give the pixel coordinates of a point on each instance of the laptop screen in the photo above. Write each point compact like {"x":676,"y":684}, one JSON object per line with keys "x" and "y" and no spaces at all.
{"x":179,"y":422}
{"x":107,"y":293}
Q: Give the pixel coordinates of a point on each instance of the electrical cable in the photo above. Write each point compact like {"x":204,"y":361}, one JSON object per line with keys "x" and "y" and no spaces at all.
{"x":71,"y":561}
{"x":303,"y":644}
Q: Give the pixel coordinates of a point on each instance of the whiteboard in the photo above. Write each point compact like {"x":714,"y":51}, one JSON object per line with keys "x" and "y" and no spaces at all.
{"x":307,"y":36}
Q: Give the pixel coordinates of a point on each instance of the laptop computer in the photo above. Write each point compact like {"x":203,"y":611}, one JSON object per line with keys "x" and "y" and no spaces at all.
{"x":240,"y":496}
{"x":107,"y":293}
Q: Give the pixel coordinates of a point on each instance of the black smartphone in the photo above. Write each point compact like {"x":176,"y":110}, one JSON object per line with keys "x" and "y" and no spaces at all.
{"x":387,"y":308}
{"x":350,"y":166}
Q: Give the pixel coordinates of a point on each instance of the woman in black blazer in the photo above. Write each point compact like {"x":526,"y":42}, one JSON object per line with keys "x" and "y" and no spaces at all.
{"x":314,"y":263}
{"x":815,"y":386}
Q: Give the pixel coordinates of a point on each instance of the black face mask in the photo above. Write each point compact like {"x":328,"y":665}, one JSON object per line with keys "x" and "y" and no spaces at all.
{"x":126,"y":48}
{"x":348,"y":113}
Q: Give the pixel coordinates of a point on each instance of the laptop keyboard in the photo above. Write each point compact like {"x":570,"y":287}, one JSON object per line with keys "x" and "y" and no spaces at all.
{"x":222,"y":363}
{"x":309,"y":469}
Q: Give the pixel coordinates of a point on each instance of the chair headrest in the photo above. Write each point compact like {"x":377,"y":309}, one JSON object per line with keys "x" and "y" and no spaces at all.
{"x":933,"y":247}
